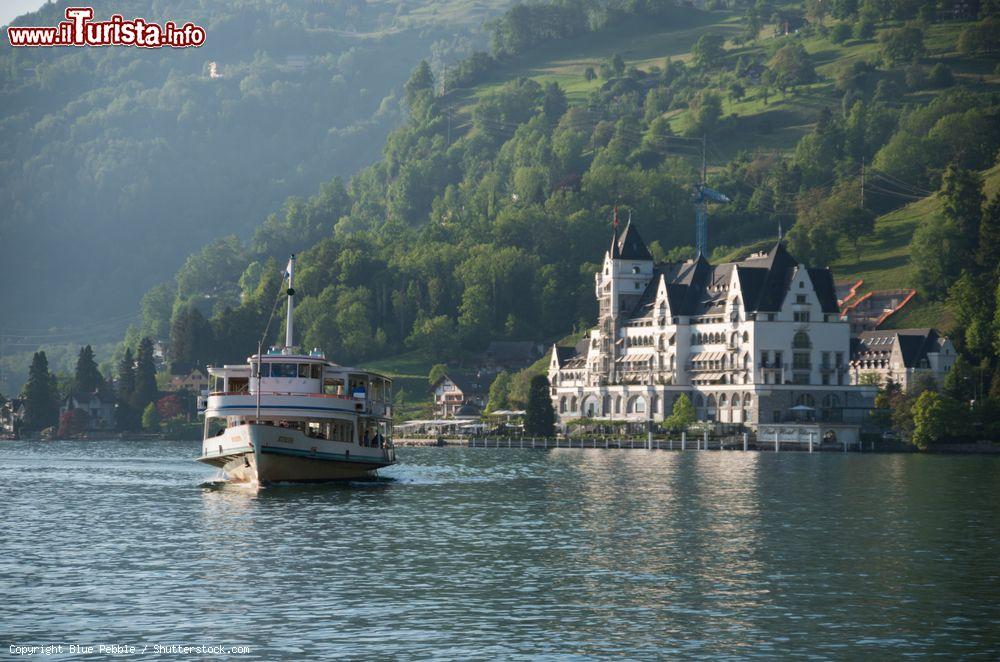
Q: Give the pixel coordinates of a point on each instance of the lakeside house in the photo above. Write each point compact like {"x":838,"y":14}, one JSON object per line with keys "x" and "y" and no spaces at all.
{"x":11,"y":415}
{"x":100,"y":410}
{"x":759,"y":341}
{"x":457,"y":394}
{"x":195,"y":381}
{"x":902,"y":356}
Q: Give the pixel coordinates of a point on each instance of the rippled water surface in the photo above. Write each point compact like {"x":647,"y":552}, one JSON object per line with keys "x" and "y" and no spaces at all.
{"x":472,"y":553}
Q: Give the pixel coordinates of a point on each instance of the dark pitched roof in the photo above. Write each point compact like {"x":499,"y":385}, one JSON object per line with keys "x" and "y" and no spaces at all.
{"x":564,"y":354}
{"x":466,"y":383}
{"x":631,"y":246}
{"x":914,"y":344}
{"x":826,"y":291}
{"x":696,"y":287}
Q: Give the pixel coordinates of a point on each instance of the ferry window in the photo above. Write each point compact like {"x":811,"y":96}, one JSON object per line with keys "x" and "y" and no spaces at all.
{"x":317,"y":371}
{"x":284,"y":370}
{"x":304,"y":370}
{"x":265,"y":369}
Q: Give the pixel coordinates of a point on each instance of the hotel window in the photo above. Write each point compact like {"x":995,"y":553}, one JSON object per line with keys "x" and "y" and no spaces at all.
{"x":802,"y":316}
{"x":800,"y":361}
{"x":825,"y":361}
{"x":800,"y":378}
{"x":800,"y":298}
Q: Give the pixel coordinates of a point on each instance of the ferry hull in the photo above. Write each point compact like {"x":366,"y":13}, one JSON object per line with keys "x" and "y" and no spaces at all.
{"x":277,"y":468}
{"x":266,"y":454}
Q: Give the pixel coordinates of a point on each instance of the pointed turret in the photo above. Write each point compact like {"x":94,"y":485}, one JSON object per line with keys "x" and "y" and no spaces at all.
{"x":631,"y":246}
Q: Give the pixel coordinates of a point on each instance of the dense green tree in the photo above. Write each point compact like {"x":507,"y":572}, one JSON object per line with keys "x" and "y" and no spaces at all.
{"x":554,"y":103}
{"x":191,"y":340}
{"x":499,"y":392}
{"x":437,"y":371}
{"x":962,"y":204}
{"x":708,"y":51}
{"x":436,"y":336}
{"x":703,"y":114}
{"x":150,"y":418}
{"x":840,"y":33}
{"x":145,"y":377}
{"x":155,"y":308}
{"x":791,"y":66}
{"x":934,"y":256}
{"x":421,"y":81}
{"x":87,"y":378}
{"x":41,"y":396}
{"x":936,"y":418}
{"x":540,"y":417}
{"x":683,"y":414}
{"x":960,"y":382}
{"x":904,"y":44}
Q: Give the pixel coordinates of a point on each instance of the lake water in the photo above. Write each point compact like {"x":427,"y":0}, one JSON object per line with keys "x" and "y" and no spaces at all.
{"x":482,"y":554}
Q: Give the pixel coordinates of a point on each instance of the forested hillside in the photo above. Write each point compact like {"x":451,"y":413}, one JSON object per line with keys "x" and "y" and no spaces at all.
{"x":119,"y":162}
{"x":490,"y":206}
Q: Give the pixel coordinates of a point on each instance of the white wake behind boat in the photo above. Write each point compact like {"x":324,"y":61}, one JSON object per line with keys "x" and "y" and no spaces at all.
{"x":291,"y":416}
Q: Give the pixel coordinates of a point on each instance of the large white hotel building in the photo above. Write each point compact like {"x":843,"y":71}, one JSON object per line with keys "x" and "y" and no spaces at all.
{"x":758,"y":342}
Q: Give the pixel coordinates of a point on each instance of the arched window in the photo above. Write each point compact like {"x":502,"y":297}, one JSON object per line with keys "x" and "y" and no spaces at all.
{"x":747,"y":399}
{"x":711,"y":401}
{"x":572,"y":404}
{"x":562,"y":405}
{"x":801,"y":341}
{"x":746,"y":337}
{"x":655,"y":406}
{"x":723,"y":401}
{"x":640,"y":405}
{"x":746,"y":361}
{"x":831,"y":401}
{"x":618,"y":404}
{"x":699,"y":401}
{"x":805,"y":400}
{"x":736,"y":400}
{"x":671,"y":361}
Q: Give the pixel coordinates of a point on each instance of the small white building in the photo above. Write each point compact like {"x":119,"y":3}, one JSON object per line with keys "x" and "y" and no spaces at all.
{"x":455,"y":393}
{"x":749,"y":342}
{"x":902,"y":356}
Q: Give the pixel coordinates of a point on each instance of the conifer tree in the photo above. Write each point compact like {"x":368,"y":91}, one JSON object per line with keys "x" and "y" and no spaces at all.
{"x":540,"y":418}
{"x":87,"y":377}
{"x":962,"y":203}
{"x":42,"y":403}
{"x":145,"y":376}
{"x":126,"y":375}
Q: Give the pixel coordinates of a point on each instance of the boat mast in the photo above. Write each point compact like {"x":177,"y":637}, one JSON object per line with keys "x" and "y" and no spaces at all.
{"x":290,"y":272}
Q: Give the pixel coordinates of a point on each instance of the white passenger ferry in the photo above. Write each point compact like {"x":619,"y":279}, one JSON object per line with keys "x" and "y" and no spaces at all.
{"x":290,"y":416}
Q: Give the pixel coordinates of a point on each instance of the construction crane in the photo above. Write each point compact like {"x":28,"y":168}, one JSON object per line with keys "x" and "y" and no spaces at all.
{"x":701,"y":196}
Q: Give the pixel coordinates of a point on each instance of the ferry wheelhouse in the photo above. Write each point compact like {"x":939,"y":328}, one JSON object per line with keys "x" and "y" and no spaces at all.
{"x":292,"y":416}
